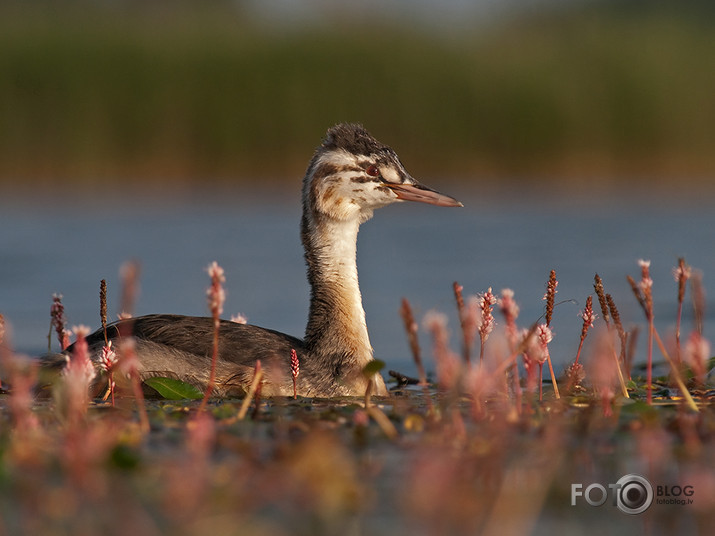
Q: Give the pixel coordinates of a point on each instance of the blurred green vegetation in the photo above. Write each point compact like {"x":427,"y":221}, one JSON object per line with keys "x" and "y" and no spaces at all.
{"x":117,"y":90}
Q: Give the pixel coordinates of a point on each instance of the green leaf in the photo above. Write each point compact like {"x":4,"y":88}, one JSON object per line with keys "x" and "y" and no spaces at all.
{"x":373,"y":367}
{"x":172,"y":389}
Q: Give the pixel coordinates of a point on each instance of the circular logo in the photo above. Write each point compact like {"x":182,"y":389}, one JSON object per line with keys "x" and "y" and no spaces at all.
{"x":634,"y":495}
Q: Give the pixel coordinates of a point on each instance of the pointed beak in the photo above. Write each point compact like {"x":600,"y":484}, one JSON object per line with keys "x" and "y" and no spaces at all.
{"x":421,"y":193}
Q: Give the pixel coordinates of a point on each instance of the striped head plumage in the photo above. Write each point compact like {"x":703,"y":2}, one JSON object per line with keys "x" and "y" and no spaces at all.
{"x":352,"y":173}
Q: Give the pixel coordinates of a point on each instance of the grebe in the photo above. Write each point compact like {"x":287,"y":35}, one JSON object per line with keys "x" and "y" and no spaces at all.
{"x":350,"y":175}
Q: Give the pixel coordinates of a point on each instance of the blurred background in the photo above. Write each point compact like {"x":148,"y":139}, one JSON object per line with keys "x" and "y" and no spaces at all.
{"x":579,"y":134}
{"x":238,"y":89}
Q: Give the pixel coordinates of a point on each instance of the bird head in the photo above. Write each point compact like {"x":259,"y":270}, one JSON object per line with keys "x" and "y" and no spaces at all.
{"x":352,"y":173}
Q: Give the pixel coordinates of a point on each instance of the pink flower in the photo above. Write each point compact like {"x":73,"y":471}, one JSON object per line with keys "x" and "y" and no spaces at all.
{"x":544,"y":334}
{"x":78,"y":375}
{"x":216,"y":294}
{"x":646,"y":282}
{"x":486,"y":302}
{"x":508,"y":306}
{"x":294,"y":363}
{"x":79,"y":366}
{"x":588,"y":315}
{"x":551,"y":289}
{"x":108,"y":359}
{"x":682,"y":273}
{"x":294,"y":370}
{"x":696,"y":354}
{"x":239,"y":319}
{"x":129,"y":363}
{"x":446,"y":361}
{"x":533,"y":357}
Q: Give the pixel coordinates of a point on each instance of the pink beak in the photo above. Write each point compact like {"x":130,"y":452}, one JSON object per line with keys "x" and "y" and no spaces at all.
{"x":423,"y":194}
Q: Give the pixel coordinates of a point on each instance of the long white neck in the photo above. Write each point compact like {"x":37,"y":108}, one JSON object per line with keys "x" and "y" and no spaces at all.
{"x":336,"y":322}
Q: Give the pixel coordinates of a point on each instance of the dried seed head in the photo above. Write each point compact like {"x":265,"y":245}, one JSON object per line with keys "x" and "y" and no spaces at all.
{"x":550,"y":296}
{"x":601,"y":294}
{"x":103,"y":302}
{"x":616,"y":317}
{"x":588,"y":317}
{"x":58,"y":320}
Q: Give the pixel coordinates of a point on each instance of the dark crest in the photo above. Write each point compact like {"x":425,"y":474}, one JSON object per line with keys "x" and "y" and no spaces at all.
{"x":354,"y":139}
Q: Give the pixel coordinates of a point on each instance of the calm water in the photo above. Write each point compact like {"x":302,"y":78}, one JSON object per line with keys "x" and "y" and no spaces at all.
{"x":416,"y":251}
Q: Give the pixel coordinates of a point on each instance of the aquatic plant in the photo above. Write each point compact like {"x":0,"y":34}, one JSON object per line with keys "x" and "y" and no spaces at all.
{"x":216,"y":297}
{"x":463,"y":455}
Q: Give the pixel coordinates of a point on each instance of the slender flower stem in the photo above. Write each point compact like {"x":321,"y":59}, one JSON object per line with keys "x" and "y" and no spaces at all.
{"x":216,"y":298}
{"x":257,"y":379}
{"x":676,"y":373}
{"x":553,"y":376}
{"x":588,"y":318}
{"x":620,"y":362}
{"x":128,"y":363}
{"x":510,"y":310}
{"x":608,"y":309}
{"x":681,"y":274}
{"x":411,"y":329}
{"x":550,"y":298}
{"x":463,"y":321}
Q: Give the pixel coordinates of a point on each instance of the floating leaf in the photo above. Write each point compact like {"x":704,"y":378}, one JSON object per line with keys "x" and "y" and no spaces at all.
{"x":373,"y":367}
{"x":172,"y":389}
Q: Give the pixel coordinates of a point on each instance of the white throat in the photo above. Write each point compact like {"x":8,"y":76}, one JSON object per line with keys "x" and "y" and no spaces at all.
{"x":335,"y":280}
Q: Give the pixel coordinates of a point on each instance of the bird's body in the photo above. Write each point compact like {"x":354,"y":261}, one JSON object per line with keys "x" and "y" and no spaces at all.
{"x":349,"y":176}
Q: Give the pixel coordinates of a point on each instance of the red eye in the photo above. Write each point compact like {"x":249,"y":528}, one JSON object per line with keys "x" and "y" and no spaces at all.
{"x":372,"y":170}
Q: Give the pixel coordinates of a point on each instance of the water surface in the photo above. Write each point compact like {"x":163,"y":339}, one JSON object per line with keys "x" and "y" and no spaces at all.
{"x":497,"y":240}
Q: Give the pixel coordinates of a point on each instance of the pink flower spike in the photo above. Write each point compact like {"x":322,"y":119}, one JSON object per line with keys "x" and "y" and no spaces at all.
{"x":696,"y":355}
{"x":108,"y":359}
{"x":79,"y":364}
{"x":508,"y":305}
{"x":216,"y":294}
{"x":78,"y":375}
{"x":486,"y":302}
{"x":544,"y":333}
{"x":589,"y":317}
{"x":216,"y":298}
{"x":294,"y":370}
{"x":447,"y":363}
{"x":682,"y":272}
{"x":646,"y":282}
{"x":483,"y":305}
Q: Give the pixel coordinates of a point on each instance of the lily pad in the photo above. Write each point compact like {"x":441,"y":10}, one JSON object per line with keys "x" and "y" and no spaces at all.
{"x":373,"y":367}
{"x":172,"y":389}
